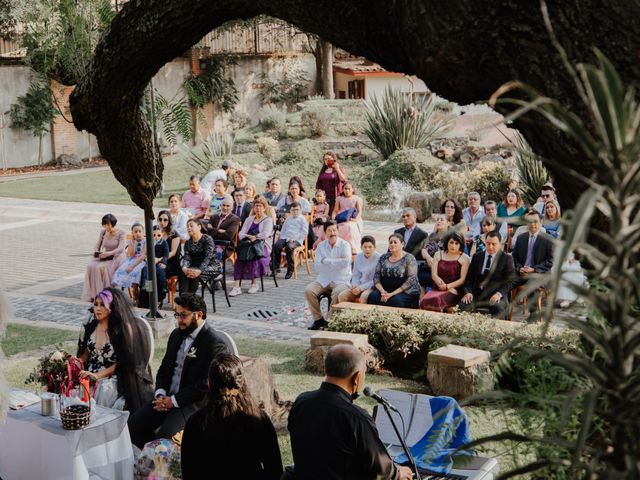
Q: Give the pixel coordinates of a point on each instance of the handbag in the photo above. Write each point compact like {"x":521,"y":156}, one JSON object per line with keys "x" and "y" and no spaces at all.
{"x":346,"y":215}
{"x":248,"y":251}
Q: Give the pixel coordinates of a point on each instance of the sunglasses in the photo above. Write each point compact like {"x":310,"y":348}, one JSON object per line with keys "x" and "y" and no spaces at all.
{"x":162,"y":219}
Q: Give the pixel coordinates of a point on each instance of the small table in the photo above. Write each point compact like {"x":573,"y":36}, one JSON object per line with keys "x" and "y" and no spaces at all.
{"x":37,"y":447}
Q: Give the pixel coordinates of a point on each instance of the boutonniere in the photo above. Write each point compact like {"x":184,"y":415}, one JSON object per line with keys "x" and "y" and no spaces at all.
{"x":192,"y":352}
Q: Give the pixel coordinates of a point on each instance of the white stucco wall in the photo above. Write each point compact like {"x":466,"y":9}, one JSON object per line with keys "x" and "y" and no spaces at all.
{"x":375,"y":84}
{"x":18,"y":148}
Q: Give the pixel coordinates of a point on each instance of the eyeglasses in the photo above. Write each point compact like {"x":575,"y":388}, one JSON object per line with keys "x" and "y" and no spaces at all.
{"x":182,"y":315}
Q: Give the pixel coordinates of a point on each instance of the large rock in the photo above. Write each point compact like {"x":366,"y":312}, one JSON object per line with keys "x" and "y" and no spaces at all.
{"x":321,"y":342}
{"x":421,"y":203}
{"x":66,"y":159}
{"x":459,"y":372}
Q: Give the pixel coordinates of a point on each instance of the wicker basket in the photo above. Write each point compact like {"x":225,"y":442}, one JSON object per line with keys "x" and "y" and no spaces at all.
{"x":75,"y":417}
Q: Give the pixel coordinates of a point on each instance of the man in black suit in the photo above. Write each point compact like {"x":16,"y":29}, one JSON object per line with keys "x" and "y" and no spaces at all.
{"x":224,"y":225}
{"x":241,"y":208}
{"x":489,"y":279}
{"x":533,"y":253}
{"x":182,"y":379}
{"x":413,"y":235}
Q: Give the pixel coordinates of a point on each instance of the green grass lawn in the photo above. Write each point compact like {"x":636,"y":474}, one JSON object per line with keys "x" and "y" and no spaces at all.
{"x":291,"y":379}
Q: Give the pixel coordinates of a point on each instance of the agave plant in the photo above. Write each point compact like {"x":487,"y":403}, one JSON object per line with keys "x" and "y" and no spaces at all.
{"x":398,"y":121}
{"x":531,"y":172}
{"x":604,"y":442}
{"x":207,"y":155}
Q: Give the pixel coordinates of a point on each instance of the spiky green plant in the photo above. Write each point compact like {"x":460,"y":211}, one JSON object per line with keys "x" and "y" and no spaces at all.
{"x":207,"y":155}
{"x":175,"y":117}
{"x":532,"y":174}
{"x":597,"y":424}
{"x":399,"y":121}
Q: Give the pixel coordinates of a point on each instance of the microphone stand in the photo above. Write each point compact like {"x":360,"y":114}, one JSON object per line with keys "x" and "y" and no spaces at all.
{"x":412,"y":461}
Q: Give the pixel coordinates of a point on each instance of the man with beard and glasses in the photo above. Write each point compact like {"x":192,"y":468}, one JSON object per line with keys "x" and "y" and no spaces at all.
{"x":181,"y":382}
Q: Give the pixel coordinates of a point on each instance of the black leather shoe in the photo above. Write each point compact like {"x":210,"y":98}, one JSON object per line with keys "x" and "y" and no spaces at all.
{"x":319,"y":325}
{"x":288,"y":275}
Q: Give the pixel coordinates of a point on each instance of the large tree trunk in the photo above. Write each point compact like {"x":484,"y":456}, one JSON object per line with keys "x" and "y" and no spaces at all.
{"x":464,"y":50}
{"x":327,"y":69}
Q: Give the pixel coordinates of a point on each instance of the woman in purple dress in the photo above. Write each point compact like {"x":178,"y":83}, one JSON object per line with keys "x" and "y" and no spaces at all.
{"x":331,"y":178}
{"x":257,"y":226}
{"x":449,"y":273}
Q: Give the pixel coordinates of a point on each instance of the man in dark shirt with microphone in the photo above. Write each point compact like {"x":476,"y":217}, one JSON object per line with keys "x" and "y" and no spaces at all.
{"x":331,"y":438}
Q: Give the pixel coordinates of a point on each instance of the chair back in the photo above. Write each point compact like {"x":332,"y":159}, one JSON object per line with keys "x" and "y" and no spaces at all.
{"x":152,"y":342}
{"x":228,"y":340}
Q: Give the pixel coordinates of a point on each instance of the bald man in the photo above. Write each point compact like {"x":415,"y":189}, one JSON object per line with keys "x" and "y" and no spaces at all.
{"x":331,"y":438}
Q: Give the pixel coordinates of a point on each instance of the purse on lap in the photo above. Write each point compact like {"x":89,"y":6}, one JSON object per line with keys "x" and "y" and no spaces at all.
{"x":248,"y":251}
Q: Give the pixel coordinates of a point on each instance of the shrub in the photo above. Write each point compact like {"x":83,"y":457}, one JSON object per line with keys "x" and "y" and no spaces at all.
{"x":306,"y":152}
{"x":269,"y":149}
{"x":452,"y":184}
{"x":398,"y":121}
{"x":239,"y":120}
{"x":206,"y":156}
{"x":274,"y":120}
{"x":318,"y":120}
{"x":412,"y":167}
{"x":405,"y":338}
{"x":532,"y":174}
{"x":491,"y":180}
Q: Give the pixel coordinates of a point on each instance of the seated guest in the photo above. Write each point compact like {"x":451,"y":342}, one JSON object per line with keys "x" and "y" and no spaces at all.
{"x":128,"y":273}
{"x":473,"y":215}
{"x":533,"y":251}
{"x":551,"y":220}
{"x":219,"y":192}
{"x":298,"y":180}
{"x":333,"y":266}
{"x":502,"y":226}
{"x":489,"y":279}
{"x":161,"y":254}
{"x":173,"y":240}
{"x":230,"y":431}
{"x":396,"y":277}
{"x":196,"y":200}
{"x":432,"y":244}
{"x":116,"y":345}
{"x":548,"y":192}
{"x":107,"y":257}
{"x":412,"y":235}
{"x":224,"y":227}
{"x":178,"y":216}
{"x":348,"y":215}
{"x":448,"y":274}
{"x":226,"y":171}
{"x":258,"y":227}
{"x":241,"y":207}
{"x":182,"y":379}
{"x":294,"y":231}
{"x":488,"y":225}
{"x":452,"y":209}
{"x":250,"y":191}
{"x":199,"y":261}
{"x":331,"y":438}
{"x":364,"y":270}
{"x":240,"y":179}
{"x":294,"y":196}
{"x":274,"y":195}
{"x":511,"y":208}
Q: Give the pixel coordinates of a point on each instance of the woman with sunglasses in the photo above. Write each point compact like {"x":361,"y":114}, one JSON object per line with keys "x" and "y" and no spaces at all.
{"x":115,"y":349}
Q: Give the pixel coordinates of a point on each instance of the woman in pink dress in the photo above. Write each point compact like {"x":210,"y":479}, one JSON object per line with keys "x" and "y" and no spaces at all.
{"x":331,"y":179}
{"x":348,"y":214}
{"x":449,"y":273}
{"x":107,"y":257}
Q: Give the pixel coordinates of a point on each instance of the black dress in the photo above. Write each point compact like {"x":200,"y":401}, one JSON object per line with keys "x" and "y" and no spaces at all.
{"x":240,"y":446}
{"x":199,"y":255}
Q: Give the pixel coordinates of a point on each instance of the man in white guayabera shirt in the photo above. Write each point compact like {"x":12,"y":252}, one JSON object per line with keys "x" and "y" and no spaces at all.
{"x":333,"y":265}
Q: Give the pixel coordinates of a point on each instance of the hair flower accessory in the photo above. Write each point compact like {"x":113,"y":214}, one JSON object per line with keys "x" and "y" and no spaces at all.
{"x":230,"y":392}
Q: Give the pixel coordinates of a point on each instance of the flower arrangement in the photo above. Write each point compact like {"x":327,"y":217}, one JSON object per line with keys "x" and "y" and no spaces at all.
{"x":55,"y":370}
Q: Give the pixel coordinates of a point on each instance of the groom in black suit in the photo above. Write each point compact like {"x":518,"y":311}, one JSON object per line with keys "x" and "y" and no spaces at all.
{"x":182,"y":379}
{"x":489,"y":278}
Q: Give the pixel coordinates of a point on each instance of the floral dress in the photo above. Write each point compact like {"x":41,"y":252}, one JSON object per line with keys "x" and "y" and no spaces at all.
{"x":102,"y":358}
{"x":125,"y":279}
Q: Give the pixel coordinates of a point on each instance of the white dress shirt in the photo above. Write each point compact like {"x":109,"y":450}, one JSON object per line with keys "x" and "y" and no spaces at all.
{"x":186,"y":345}
{"x":473,"y":223}
{"x":333,"y":264}
{"x":364,"y":269}
{"x":295,"y":228}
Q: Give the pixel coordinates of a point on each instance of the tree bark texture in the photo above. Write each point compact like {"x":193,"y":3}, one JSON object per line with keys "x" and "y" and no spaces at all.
{"x":327,"y":70}
{"x":463,"y":49}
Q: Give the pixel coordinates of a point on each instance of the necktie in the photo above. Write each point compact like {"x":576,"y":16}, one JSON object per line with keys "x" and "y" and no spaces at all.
{"x":238,"y":210}
{"x":529,"y":259}
{"x":487,"y":266}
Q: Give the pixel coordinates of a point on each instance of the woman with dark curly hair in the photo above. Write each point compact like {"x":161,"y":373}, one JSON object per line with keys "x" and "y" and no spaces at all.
{"x":230,"y":436}
{"x":452,"y":209}
{"x":115,"y":348}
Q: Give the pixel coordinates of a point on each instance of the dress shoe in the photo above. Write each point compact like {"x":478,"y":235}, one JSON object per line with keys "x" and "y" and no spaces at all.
{"x":319,"y":325}
{"x":288,"y":275}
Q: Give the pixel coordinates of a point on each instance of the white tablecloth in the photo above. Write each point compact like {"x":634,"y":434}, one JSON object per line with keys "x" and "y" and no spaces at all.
{"x":34,"y":447}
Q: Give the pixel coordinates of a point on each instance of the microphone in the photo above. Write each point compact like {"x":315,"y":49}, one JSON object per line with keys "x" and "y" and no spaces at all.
{"x":368,"y":392}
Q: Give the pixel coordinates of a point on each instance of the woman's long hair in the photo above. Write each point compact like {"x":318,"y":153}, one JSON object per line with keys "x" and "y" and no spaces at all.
{"x":168,"y":229}
{"x":228,"y":393}
{"x":457,"y":216}
{"x":298,"y":180}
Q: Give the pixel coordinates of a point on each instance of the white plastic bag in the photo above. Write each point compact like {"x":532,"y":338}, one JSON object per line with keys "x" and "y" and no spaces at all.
{"x":106,"y":392}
